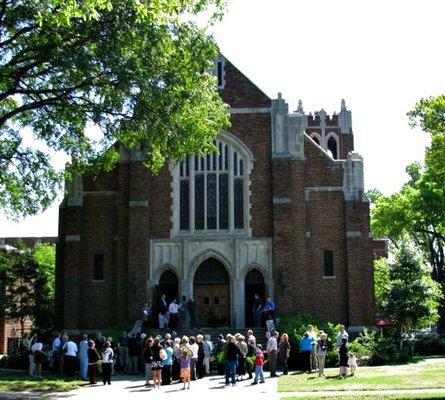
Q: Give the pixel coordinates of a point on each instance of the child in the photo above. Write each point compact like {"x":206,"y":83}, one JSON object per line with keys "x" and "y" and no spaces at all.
{"x":352,"y":362}
{"x":320,"y":352}
{"x":343,"y":352}
{"x":259,"y":362}
{"x":185,"y":359}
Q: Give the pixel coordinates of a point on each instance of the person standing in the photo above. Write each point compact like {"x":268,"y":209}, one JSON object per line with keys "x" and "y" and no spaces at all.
{"x":27,"y":343}
{"x":55,"y":345}
{"x":259,"y":362}
{"x":191,"y":307}
{"x":242,"y":345}
{"x":168,"y":362}
{"x":162,"y":312}
{"x":284,"y":351}
{"x":93,"y":360}
{"x":185,"y":360}
{"x":232,"y":354}
{"x":83,"y":357}
{"x":208,"y":350}
{"x":133,"y":354}
{"x":272,"y":349}
{"x":70,"y":357}
{"x":343,"y":353}
{"x":184,"y":316}
{"x":123,"y":351}
{"x":173,"y":310}
{"x":320,"y":351}
{"x":107,"y":363}
{"x":148,"y":360}
{"x":342,"y":334}
{"x":313,"y":335}
{"x":194,"y":347}
{"x":257,"y":309}
{"x":306,"y":348}
{"x":39,"y":356}
{"x":250,"y":337}
{"x":158,"y":362}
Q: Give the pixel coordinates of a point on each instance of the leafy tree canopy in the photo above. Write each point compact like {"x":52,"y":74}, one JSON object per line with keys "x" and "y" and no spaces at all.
{"x":417,"y":211}
{"x":140,"y":71}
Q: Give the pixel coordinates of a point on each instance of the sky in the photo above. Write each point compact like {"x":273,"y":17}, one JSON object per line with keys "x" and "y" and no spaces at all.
{"x":380,"y":56}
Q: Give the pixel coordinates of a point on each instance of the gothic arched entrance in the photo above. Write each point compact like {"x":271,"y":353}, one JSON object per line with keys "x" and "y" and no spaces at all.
{"x":168,"y":285}
{"x":253,"y":284}
{"x":212,"y":293}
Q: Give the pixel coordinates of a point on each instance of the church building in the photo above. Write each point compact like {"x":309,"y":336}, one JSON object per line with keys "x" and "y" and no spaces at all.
{"x":280,"y":211}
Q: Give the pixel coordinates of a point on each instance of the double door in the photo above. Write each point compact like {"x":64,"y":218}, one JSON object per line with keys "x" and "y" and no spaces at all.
{"x":213,"y":305}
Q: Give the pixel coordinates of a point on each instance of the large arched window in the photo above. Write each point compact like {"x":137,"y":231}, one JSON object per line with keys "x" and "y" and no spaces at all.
{"x":213,"y":189}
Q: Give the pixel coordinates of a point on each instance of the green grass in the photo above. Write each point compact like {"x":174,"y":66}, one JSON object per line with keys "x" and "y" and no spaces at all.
{"x":398,"y":396}
{"x":428,"y":374}
{"x":19,"y":381}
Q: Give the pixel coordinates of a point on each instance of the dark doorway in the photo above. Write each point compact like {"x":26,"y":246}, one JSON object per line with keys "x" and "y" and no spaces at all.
{"x":212,"y":293}
{"x":168,"y":284}
{"x":253,"y":284}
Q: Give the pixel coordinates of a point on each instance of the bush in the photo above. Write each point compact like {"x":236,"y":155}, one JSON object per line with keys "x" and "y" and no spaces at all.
{"x":296,"y":324}
{"x":16,"y":359}
{"x":428,"y":345}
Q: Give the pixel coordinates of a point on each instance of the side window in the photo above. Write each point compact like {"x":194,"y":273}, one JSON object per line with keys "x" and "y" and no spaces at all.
{"x":328,"y":260}
{"x":98,"y":267}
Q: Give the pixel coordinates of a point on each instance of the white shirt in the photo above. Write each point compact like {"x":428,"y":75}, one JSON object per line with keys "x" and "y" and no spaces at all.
{"x":173,"y":308}
{"x":37,"y":347}
{"x":107,"y":356}
{"x":272,"y":344}
{"x":340,"y":336}
{"x":194,"y":348}
{"x":71,"y":348}
{"x":56,"y":344}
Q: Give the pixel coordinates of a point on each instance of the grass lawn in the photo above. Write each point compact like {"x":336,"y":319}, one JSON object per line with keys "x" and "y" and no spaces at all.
{"x":427,"y":374}
{"x":401,"y":396}
{"x":18,"y":381}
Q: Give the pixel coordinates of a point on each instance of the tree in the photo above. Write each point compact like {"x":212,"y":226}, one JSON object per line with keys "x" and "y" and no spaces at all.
{"x":405,"y":291}
{"x":139,"y":71}
{"x":27,"y":285}
{"x":17,"y":282}
{"x":417,"y":211}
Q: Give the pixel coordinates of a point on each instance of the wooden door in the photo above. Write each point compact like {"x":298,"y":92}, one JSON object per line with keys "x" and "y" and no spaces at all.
{"x":213,"y":304}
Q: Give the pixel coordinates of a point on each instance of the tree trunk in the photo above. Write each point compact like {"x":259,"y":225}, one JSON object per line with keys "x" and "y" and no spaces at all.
{"x":441,"y":322}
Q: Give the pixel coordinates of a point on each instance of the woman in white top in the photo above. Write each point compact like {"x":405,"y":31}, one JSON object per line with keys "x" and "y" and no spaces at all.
{"x":39,"y":355}
{"x":107,"y":362}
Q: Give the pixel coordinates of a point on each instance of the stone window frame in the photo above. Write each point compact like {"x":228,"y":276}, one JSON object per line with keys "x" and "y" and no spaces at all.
{"x":337,"y":142}
{"x":234,"y":144}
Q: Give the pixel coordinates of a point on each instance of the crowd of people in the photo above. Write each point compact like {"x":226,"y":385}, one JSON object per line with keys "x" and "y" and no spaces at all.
{"x":172,"y":358}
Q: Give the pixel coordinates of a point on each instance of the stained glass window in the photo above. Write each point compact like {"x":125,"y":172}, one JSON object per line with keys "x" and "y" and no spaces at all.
{"x":184,"y":219}
{"x":238,"y":203}
{"x":223,"y":201}
{"x":199,"y":201}
{"x":211,"y":201}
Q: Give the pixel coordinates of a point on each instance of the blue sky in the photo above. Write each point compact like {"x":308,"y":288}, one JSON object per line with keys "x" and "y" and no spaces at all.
{"x":380,"y":56}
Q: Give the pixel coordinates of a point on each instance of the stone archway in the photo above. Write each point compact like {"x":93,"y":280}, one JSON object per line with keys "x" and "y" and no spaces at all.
{"x":168,"y":285}
{"x":211,"y":288}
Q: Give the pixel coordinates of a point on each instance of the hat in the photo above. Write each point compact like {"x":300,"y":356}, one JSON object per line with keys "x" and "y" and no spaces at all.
{"x":143,"y":335}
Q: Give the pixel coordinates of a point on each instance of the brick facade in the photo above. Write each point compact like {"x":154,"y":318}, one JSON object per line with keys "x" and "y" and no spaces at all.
{"x":302,"y":202}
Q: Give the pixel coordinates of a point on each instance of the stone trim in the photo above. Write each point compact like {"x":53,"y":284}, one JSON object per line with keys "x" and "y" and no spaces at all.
{"x":282,"y":200}
{"x":247,"y":110}
{"x":72,"y":238}
{"x":137,"y":203}
{"x":310,"y":189}
{"x":353,"y":234}
{"x":329,"y":277}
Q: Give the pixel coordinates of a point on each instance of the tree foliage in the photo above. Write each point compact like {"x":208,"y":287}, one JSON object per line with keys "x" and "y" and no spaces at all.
{"x":405,"y":291}
{"x":417,"y":211}
{"x":27,"y":285}
{"x":140,"y":71}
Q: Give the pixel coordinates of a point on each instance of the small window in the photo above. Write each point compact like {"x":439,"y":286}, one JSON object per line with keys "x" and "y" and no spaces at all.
{"x":216,"y":301}
{"x":206,"y":301}
{"x":220,"y":73}
{"x":328,"y":259}
{"x":98,"y":267}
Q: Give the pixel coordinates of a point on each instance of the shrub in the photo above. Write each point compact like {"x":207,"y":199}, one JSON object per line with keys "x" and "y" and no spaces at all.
{"x":426,"y":345}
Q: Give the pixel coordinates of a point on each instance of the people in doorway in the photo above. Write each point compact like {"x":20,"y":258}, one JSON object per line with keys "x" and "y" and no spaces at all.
{"x":162,"y":312}
{"x":191,"y":307}
{"x":257,"y":310}
{"x":173,"y":310}
{"x":146,"y":316}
